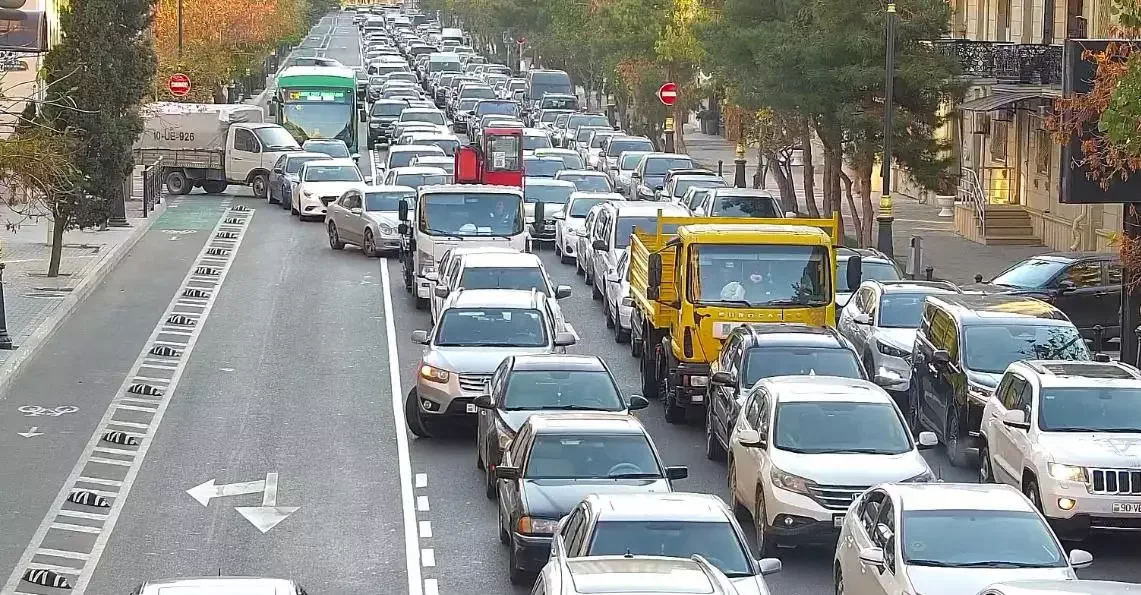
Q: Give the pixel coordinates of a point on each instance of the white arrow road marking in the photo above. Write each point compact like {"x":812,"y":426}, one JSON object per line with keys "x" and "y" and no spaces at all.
{"x":31,"y":433}
{"x":207,"y":491}
{"x":269,"y":514}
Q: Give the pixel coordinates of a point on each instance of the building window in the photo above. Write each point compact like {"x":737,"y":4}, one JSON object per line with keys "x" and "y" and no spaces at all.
{"x":998,"y":140}
{"x":1045,"y":150}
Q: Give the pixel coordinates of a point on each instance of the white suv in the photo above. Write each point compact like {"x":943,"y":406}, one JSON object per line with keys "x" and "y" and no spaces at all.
{"x":1068,"y":435}
{"x":804,"y":447}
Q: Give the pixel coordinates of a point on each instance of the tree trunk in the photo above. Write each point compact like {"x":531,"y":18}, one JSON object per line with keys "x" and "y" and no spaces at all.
{"x":680,"y":115}
{"x":785,"y":184}
{"x":59,"y":224}
{"x":856,"y":221}
{"x":864,"y":172}
{"x":809,"y":172}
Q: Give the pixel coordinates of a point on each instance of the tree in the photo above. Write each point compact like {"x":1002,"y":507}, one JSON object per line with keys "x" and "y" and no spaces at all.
{"x":95,"y":80}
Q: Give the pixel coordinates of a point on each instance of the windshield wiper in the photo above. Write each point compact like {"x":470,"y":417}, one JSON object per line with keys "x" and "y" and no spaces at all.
{"x":992,"y":564}
{"x":794,"y":303}
{"x":863,"y":451}
{"x":442,"y":233}
{"x":573,"y":408}
{"x":932,"y":563}
{"x":1105,"y":430}
{"x":635,"y":476}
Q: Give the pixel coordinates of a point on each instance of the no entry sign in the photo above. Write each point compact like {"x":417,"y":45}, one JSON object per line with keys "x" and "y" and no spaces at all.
{"x":178,"y":84}
{"x":667,"y":93}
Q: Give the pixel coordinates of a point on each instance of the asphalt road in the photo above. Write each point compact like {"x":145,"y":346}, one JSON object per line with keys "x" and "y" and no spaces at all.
{"x":282,"y":392}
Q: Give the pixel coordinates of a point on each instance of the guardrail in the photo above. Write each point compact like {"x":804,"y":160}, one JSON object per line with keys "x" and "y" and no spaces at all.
{"x":152,"y":185}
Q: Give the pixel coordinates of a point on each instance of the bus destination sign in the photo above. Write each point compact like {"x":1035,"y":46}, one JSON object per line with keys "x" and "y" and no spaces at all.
{"x":317,"y":95}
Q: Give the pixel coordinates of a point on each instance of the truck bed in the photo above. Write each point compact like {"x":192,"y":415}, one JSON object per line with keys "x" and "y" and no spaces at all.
{"x":196,"y":158}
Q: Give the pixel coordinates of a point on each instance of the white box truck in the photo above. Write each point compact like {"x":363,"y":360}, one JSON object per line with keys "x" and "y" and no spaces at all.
{"x":211,"y":146}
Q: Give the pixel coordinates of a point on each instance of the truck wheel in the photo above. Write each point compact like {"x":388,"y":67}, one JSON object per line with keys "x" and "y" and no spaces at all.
{"x":649,"y":372}
{"x":214,"y":186}
{"x":674,"y":413}
{"x":260,"y":184}
{"x":176,"y":183}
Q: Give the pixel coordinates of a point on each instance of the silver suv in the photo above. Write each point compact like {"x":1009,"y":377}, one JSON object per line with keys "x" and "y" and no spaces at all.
{"x":603,"y":575}
{"x":476,"y":330}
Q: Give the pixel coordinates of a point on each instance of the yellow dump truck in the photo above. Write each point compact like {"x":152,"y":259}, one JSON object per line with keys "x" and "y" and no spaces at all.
{"x":692,"y":287}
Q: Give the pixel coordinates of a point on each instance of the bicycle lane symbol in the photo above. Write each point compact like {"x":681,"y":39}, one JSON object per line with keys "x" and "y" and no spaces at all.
{"x":37,"y":411}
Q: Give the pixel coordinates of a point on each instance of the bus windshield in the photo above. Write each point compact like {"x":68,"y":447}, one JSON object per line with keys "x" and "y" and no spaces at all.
{"x":320,"y":114}
{"x":459,"y":214}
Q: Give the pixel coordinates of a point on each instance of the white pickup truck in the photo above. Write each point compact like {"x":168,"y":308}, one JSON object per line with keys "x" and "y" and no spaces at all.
{"x":211,"y":146}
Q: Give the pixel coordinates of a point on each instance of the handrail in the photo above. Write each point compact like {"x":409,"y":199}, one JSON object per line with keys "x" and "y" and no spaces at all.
{"x":152,"y":185}
{"x":970,"y":190}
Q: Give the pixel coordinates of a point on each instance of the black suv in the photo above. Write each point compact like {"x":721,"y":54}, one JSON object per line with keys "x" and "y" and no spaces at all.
{"x":755,"y":351}
{"x":381,"y":116}
{"x":962,"y":348}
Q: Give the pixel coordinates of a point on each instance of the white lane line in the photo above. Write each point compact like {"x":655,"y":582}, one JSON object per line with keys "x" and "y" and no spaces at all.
{"x":431,"y":587}
{"x":422,"y":504}
{"x":102,"y":533}
{"x":409,"y":505}
{"x":421,"y":480}
{"x":62,"y":554}
{"x":427,"y":557}
{"x":100,"y":481}
{"x":425,"y":529}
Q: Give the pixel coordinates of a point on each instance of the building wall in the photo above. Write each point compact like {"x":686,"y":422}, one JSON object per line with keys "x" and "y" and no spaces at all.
{"x":19,"y":85}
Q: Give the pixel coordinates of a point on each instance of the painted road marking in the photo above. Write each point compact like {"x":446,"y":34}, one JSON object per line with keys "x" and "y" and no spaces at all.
{"x":145,"y":419}
{"x":409,"y":504}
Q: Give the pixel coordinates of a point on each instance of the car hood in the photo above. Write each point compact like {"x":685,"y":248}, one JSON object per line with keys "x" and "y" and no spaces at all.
{"x":956,"y":581}
{"x":384,"y":218}
{"x":332,"y":188}
{"x":554,"y":498}
{"x":1092,"y":449}
{"x":851,"y":469}
{"x":654,"y":182}
{"x":900,"y":338}
{"x":516,"y":419}
{"x":842,"y":298}
{"x":750,"y":585}
{"x":474,"y":360}
{"x":574,"y":223}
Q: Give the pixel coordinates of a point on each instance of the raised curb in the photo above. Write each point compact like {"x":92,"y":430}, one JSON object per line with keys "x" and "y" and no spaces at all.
{"x":47,"y":329}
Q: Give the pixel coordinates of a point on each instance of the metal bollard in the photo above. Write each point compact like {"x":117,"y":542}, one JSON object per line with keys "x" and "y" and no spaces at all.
{"x":1098,"y":338}
{"x":915,"y":257}
{"x":721,"y":167}
{"x":5,"y":340}
{"x":930,"y":273}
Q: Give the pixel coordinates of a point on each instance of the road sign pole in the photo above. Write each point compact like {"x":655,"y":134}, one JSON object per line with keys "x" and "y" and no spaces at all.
{"x":669,"y":136}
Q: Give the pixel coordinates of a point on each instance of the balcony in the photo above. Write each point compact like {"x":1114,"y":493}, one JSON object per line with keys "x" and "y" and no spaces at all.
{"x":1020,"y":63}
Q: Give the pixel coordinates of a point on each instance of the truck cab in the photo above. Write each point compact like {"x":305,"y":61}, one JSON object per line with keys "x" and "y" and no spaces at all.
{"x":691,"y":288}
{"x":448,"y":216}
{"x":497,"y":159}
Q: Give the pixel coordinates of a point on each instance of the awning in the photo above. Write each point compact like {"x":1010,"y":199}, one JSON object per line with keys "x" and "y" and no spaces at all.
{"x":998,"y":100}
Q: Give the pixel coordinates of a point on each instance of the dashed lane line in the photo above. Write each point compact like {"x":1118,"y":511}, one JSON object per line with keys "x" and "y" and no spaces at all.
{"x":138,"y":409}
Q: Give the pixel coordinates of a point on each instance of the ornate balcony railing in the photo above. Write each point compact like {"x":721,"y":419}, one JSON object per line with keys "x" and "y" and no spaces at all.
{"x":1026,"y":63}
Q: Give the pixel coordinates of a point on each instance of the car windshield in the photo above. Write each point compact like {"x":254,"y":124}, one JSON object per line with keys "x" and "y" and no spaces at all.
{"x":332,"y":149}
{"x":767,"y":362}
{"x":524,"y":278}
{"x":385,"y":202}
{"x":547,"y":194}
{"x":695,"y":199}
{"x":470,"y":215}
{"x":625,"y":229}
{"x":686,"y":183}
{"x":562,"y":389}
{"x":431,"y":117}
{"x":752,"y":275}
{"x":990,"y":348}
{"x":901,"y":310}
{"x":505,"y":108}
{"x":588,"y":120}
{"x":580,"y":207}
{"x":591,"y":456}
{"x":978,"y":539}
{"x":630,"y":161}
{"x":542,"y":168}
{"x":388,"y":110}
{"x":714,"y":541}
{"x":491,"y":327}
{"x":571,"y":161}
{"x":746,"y":206}
{"x":332,"y":173}
{"x":822,"y":427}
{"x":404,"y":158}
{"x":478,"y":93}
{"x":467,"y":104}
{"x":1030,"y":274}
{"x":589,"y":182}
{"x":1090,"y":409}
{"x":293,"y":166}
{"x":619,"y":146}
{"x":597,"y":139}
{"x":567,"y":102}
{"x":532,"y":142}
{"x":659,"y":166}
{"x":584,"y":133}
{"x":548,"y":117}
{"x":272,"y":137}
{"x":870,"y":270}
{"x":418,"y":180}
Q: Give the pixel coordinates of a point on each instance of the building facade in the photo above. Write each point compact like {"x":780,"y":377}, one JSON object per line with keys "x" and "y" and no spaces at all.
{"x":19,"y":70}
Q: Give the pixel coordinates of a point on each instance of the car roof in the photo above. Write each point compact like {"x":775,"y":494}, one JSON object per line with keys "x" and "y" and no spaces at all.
{"x":471,"y":189}
{"x":671,"y":506}
{"x":407,"y":148}
{"x":586,"y":422}
{"x":494,"y":298}
{"x":559,"y":361}
{"x":543,"y":157}
{"x":419,"y":169}
{"x":556,"y":151}
{"x":336,"y":161}
{"x":591,"y":195}
{"x":1081,"y":374}
{"x":389,"y":188}
{"x":631,"y":575}
{"x":549,"y":182}
{"x":220,"y":585}
{"x":820,"y":389}
{"x":922,"y":287}
{"x":1000,"y":309}
{"x":792,"y":334}
{"x":660,"y":155}
{"x":307,"y":155}
{"x":534,"y":132}
{"x":648,"y":208}
{"x":324,"y":141}
{"x":424,"y":110}
{"x":491,"y":260}
{"x":959,"y":496}
{"x":434,"y":159}
{"x":464,"y":250}
{"x":583,"y":172}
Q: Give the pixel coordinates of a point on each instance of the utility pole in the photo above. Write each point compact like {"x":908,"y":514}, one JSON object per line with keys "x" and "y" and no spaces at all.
{"x":180,"y":33}
{"x":885,"y":242}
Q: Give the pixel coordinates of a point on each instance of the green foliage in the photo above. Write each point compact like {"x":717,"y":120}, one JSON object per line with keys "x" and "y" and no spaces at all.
{"x":96,"y":78}
{"x":1119,"y":120}
{"x":315,"y":9}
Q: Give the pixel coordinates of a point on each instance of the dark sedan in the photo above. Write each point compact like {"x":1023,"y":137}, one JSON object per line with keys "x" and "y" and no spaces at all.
{"x":284,"y":174}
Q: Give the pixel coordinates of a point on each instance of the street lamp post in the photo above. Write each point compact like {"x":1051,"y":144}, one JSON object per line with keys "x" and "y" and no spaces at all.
{"x":886,"y":216}
{"x":180,"y":33}
{"x":739,"y":158}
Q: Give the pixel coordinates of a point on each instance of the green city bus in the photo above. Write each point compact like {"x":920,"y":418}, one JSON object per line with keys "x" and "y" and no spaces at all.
{"x":318,"y":102}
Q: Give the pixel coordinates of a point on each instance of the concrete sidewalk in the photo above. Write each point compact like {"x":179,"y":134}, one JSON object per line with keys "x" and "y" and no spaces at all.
{"x":37,"y":305}
{"x":954,"y":257}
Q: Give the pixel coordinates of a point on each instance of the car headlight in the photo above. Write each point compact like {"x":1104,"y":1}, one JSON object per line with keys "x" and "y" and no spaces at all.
{"x":925,"y":477}
{"x":374,"y":124}
{"x":307,"y":194}
{"x":891,"y":351}
{"x":506,"y":435}
{"x":1062,"y":472}
{"x":699,"y":381}
{"x":532,"y":526}
{"x":434,"y":374}
{"x":790,"y":482}
{"x":427,"y":269}
{"x":385,"y":229}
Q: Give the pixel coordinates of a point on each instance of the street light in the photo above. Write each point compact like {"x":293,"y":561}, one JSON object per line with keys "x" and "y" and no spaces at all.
{"x":739,"y":158}
{"x":886,"y":216}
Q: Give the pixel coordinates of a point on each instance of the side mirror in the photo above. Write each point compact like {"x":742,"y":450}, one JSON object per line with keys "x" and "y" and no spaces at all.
{"x":723,"y":377}
{"x":637,"y":402}
{"x":940,"y":356}
{"x":368,"y":180}
{"x":278,"y":170}
{"x":790,"y":214}
{"x":420,"y":337}
{"x":356,"y":156}
{"x":769,"y":566}
{"x":1015,"y":418}
{"x":855,"y":270}
{"x":441,"y":291}
{"x":1080,"y":558}
{"x":872,"y":556}
{"x":927,"y":440}
{"x":1066,"y":285}
{"x":750,"y":439}
{"x":635,"y":176}
{"x":864,"y":319}
{"x":356,"y":211}
{"x":599,"y":245}
{"x":560,"y":216}
{"x":402,"y":209}
{"x":677,"y":472}
{"x":484,"y":402}
{"x":564,"y":340}
{"x":562,"y":292}
{"x":508,"y":473}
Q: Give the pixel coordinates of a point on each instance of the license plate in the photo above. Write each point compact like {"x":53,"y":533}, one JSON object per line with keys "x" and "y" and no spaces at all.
{"x":837,"y":520}
{"x":697,"y":398}
{"x":721,"y":330}
{"x":1127,"y":507}
{"x":471,"y":408}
